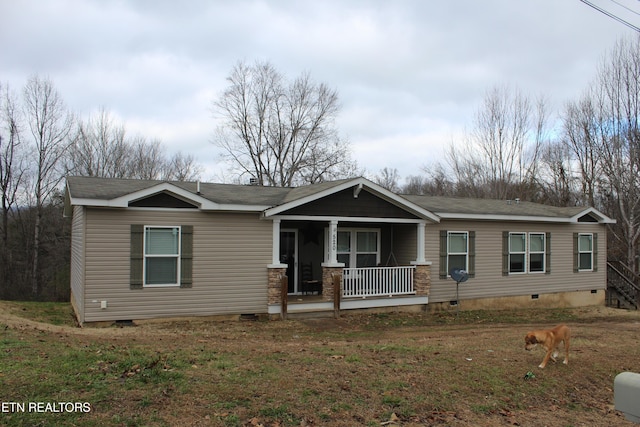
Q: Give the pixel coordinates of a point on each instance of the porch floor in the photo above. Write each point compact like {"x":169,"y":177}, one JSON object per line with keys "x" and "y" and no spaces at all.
{"x":305,"y":304}
{"x":303,"y":299}
{"x":310,"y":299}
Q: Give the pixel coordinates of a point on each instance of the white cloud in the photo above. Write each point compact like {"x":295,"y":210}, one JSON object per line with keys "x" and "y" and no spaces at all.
{"x":409,"y":73}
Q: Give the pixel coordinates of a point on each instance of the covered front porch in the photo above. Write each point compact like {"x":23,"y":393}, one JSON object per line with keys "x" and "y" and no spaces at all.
{"x":412,"y":290}
{"x":352,"y":243}
{"x":376,"y":264}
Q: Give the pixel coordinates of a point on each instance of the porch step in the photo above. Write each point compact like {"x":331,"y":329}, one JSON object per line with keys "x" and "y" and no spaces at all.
{"x":310,"y":314}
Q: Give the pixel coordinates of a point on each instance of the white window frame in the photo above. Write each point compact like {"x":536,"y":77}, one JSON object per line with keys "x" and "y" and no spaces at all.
{"x":466,"y":253}
{"x":543,"y":252}
{"x":580,"y":235}
{"x":525,"y":258}
{"x":353,"y":244}
{"x":176,"y":256}
{"x":528,"y":252}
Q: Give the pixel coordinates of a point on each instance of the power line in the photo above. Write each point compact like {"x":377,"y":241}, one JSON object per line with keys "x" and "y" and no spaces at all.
{"x":611,"y":15}
{"x":625,"y":7}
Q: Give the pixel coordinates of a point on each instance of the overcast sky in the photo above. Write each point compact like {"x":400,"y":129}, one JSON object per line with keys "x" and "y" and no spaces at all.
{"x":410,"y":73}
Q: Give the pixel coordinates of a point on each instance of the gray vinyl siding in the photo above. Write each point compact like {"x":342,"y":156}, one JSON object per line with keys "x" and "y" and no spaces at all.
{"x":404,"y":243}
{"x":231,"y":252}
{"x":77,"y":260}
{"x":489,"y":281}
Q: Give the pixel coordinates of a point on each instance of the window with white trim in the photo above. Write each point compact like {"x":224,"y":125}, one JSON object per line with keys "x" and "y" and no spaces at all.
{"x":537,"y":252}
{"x":517,"y":252}
{"x":585,"y":252}
{"x":527,"y":253}
{"x":161,"y":256}
{"x":457,"y":250}
{"x":359,"y":247}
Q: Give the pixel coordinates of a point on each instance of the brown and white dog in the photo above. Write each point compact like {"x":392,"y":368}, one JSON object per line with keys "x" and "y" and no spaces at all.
{"x":550,"y":340}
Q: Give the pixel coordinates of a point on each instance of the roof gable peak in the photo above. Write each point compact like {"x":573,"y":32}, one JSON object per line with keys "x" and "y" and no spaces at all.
{"x":302,"y":195}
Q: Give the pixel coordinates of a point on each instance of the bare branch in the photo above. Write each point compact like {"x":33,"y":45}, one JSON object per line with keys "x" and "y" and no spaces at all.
{"x":280,"y":133}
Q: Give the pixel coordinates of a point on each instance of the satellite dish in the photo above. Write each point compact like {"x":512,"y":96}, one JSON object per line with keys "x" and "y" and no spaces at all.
{"x":459,"y":275}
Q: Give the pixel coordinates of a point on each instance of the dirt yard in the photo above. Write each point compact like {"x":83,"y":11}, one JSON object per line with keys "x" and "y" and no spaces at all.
{"x":370,"y":370}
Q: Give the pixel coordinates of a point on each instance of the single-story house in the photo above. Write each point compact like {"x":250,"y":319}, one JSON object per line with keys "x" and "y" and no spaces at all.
{"x":150,"y":249}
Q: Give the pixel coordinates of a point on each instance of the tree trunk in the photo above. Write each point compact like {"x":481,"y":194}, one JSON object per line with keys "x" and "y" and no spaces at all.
{"x":36,"y":250}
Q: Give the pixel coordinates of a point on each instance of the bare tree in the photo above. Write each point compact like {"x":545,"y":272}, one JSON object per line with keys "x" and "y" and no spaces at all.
{"x":50,"y":124}
{"x":556,"y":181}
{"x":12,"y":173}
{"x":500,"y":154}
{"x":388,"y":178}
{"x":435,"y":182}
{"x":99,"y":148}
{"x":12,"y":167}
{"x":182,"y":167}
{"x":616,"y":99}
{"x":39,"y":143}
{"x":415,"y":184}
{"x":146,"y":159}
{"x":278,"y":132}
{"x":469,"y":170}
{"x":582,"y":135}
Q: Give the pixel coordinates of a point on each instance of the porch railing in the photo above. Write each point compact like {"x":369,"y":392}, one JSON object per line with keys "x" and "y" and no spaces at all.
{"x":377,"y":281}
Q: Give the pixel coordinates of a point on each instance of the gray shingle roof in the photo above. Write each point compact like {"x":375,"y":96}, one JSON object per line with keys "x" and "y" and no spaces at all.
{"x":460,"y":205}
{"x":92,"y":188}
{"x":111,"y":188}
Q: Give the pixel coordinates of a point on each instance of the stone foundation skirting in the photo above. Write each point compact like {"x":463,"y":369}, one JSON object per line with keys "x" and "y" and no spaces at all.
{"x":274,"y":285}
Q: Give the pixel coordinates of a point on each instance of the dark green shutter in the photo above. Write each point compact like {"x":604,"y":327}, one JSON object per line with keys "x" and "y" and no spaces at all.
{"x":443,"y":254}
{"x":137,"y":256}
{"x":472,"y":254}
{"x":186,"y":257}
{"x":547,"y":253}
{"x":505,"y":253}
{"x":576,"y":254}
{"x":595,"y":251}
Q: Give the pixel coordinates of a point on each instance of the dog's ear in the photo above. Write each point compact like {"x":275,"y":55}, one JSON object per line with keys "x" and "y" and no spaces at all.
{"x":530,"y":339}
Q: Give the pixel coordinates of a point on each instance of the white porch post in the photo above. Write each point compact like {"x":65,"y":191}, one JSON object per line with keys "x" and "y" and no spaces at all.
{"x":332,"y":256}
{"x":275,"y":246}
{"x":333,"y":242}
{"x":420,"y":243}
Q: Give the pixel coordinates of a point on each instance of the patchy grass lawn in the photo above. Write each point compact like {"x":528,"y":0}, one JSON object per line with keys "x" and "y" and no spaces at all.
{"x":359,"y":370}
{"x":55,"y":313}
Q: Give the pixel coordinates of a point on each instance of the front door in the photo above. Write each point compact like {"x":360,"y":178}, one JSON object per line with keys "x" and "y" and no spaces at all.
{"x":289,"y":256}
